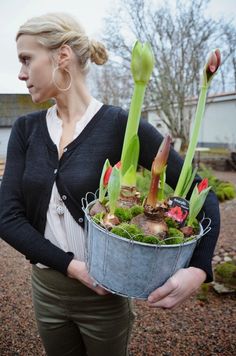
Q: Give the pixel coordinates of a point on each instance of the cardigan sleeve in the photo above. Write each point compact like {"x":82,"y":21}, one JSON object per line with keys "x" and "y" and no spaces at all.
{"x":150,"y":140}
{"x":15,"y":229}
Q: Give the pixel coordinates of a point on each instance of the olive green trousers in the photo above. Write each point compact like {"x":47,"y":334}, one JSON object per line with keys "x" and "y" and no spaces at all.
{"x":74,"y":321}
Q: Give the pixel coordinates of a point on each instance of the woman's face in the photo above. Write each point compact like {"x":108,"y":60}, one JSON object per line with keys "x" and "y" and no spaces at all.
{"x":36,"y":68}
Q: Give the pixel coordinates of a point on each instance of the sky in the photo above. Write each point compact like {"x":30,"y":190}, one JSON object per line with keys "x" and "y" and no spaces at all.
{"x":90,"y":13}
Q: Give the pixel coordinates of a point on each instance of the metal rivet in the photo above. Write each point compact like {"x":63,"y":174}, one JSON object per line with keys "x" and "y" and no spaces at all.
{"x":81,"y":220}
{"x":64,"y":197}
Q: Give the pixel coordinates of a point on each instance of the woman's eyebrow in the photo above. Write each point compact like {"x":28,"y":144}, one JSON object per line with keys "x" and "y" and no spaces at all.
{"x":23,"y":54}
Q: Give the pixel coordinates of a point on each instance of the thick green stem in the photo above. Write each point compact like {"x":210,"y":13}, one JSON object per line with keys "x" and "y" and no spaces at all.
{"x":193,"y":141}
{"x":134,"y":115}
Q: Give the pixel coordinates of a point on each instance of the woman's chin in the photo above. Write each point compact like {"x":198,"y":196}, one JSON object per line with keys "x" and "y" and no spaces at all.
{"x":38,"y":99}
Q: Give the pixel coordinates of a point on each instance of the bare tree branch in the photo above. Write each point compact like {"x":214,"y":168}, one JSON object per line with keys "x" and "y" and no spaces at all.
{"x":181,"y":39}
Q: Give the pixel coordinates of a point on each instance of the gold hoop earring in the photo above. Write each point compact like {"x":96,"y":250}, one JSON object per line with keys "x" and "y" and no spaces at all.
{"x":54,"y":81}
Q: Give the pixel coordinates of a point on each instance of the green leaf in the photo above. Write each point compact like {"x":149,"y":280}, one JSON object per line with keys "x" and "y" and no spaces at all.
{"x":161,"y":191}
{"x":129,"y":179}
{"x":102,"y":189}
{"x":189,"y":182}
{"x":114,"y":189}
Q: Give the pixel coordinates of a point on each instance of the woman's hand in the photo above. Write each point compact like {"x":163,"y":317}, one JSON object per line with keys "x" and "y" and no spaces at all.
{"x":78,"y":270}
{"x":177,"y":288}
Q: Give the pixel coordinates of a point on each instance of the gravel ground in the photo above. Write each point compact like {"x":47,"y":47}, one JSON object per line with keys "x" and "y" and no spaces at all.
{"x":197,"y":328}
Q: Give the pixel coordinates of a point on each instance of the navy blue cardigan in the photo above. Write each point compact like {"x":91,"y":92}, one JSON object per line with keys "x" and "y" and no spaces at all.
{"x":33,"y":166}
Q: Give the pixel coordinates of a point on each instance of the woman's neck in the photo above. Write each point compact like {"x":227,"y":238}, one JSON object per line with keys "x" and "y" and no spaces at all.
{"x":72,"y":105}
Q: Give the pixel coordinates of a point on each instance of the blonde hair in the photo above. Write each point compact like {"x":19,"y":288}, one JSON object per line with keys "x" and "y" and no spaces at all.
{"x":55,"y":29}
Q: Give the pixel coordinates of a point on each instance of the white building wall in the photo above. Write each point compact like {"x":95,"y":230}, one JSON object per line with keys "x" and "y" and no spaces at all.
{"x":4,"y":137}
{"x":218,"y":126}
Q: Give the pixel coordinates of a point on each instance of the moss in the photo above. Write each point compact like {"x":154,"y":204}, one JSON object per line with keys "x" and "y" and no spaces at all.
{"x":149,"y":239}
{"x":189,"y":238}
{"x":123,"y":214}
{"x":131,"y":231}
{"x":202,"y":295}
{"x":226,"y":273}
{"x":98,"y":217}
{"x":174,"y":240}
{"x":175,"y":236}
{"x":138,"y":238}
{"x":173,"y":232}
{"x":136,"y":210}
{"x":171,"y":223}
{"x":126,"y":230}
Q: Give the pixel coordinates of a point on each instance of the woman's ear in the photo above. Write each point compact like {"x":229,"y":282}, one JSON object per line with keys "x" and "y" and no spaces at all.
{"x":64,"y":55}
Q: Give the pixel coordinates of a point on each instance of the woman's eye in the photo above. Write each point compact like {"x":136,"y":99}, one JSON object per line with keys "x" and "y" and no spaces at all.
{"x":25,"y":60}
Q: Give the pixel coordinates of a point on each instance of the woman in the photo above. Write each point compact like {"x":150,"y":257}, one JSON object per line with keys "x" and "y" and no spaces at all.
{"x":55,"y":157}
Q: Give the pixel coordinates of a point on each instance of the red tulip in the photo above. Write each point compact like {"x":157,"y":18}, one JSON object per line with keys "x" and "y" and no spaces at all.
{"x":203,"y":185}
{"x":118,"y":165}
{"x":108,"y":173}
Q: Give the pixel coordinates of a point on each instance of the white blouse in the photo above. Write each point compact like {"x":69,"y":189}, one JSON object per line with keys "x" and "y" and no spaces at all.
{"x":61,"y":228}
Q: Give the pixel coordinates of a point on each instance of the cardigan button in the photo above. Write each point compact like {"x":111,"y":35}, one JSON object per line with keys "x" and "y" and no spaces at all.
{"x":64,"y":197}
{"x":55,"y":171}
{"x":81,"y":220}
{"x":65,"y":149}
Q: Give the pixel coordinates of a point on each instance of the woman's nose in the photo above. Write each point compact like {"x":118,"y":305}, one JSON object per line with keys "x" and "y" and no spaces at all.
{"x":22,"y":75}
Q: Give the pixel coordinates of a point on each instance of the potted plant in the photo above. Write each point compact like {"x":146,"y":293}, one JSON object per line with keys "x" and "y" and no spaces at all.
{"x":134,"y":245}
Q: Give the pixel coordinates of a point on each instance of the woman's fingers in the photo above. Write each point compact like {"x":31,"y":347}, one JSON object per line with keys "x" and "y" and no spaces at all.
{"x":77,"y":269}
{"x":177,"y":288}
{"x":159,"y":296}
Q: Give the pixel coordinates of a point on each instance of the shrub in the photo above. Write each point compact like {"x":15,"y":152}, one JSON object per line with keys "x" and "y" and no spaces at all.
{"x":226,"y":273}
{"x":223,"y":190}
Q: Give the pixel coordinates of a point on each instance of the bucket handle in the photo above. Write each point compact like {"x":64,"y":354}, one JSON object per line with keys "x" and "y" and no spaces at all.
{"x":85,"y":200}
{"x":207,"y":228}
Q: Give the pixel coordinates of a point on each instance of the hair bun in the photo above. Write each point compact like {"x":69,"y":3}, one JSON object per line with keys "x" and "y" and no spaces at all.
{"x":98,"y":53}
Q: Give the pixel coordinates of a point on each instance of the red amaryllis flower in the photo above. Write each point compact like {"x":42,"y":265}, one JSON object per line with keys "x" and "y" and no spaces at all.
{"x":203,"y":185}
{"x":108,"y":173}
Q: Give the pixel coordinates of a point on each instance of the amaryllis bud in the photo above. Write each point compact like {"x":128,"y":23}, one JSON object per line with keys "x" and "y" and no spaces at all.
{"x":162,"y":156}
{"x":203,"y":185}
{"x":142,"y":62}
{"x":212,"y":65}
{"x":158,"y":167}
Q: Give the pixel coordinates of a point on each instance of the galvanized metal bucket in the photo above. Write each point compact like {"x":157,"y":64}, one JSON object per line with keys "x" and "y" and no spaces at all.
{"x":130,"y":268}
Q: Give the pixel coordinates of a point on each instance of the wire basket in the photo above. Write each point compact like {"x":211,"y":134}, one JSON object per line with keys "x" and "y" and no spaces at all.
{"x":130,"y":268}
